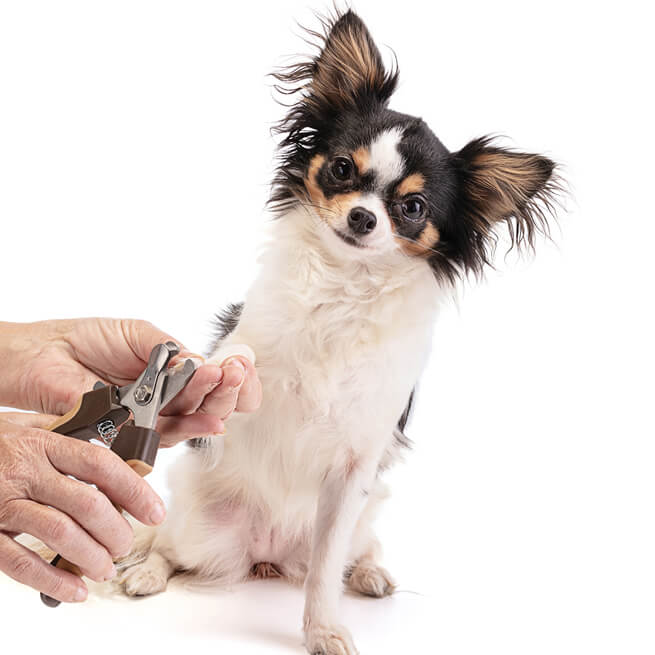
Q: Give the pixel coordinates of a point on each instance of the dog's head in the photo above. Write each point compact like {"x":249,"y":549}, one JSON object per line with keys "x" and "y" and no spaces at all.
{"x":381,"y":181}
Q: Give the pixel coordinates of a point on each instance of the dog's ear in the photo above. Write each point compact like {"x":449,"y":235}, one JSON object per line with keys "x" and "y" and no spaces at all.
{"x":496,"y":185}
{"x":350,"y":68}
{"x":347,"y":73}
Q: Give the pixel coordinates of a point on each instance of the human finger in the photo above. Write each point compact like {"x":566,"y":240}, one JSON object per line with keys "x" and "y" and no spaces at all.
{"x":174,"y":429}
{"x":204,"y":381}
{"x":28,"y":568}
{"x":102,"y":467}
{"x":89,"y":507}
{"x":61,"y":534}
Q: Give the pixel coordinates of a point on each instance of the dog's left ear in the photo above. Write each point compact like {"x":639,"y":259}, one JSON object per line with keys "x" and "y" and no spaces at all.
{"x":497,"y":185}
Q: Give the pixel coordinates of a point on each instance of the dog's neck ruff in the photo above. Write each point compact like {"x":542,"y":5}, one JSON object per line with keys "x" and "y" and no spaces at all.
{"x":297,"y":257}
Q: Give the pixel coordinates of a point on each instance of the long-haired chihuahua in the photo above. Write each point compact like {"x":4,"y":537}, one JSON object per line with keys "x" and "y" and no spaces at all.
{"x":375,"y":221}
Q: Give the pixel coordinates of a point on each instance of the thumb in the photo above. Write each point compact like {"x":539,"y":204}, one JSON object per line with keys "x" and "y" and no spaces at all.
{"x":61,"y":395}
{"x":143,"y":336}
{"x":29,"y":419}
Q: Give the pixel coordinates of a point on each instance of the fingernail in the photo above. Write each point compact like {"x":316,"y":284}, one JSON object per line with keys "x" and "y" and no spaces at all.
{"x":219,"y":376}
{"x":80,"y":594}
{"x":235,"y":363}
{"x":157,"y":514}
{"x":112,"y":573}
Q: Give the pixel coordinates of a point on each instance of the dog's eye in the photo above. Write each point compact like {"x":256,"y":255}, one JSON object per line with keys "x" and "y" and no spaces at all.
{"x":413,"y":208}
{"x":342,"y":169}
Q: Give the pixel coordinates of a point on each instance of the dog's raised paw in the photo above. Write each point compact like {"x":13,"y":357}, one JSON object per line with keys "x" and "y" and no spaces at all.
{"x":330,"y":640}
{"x":371,"y":580}
{"x":144,"y":580}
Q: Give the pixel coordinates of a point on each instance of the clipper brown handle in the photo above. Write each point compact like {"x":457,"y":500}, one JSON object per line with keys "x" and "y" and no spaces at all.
{"x":82,"y":421}
{"x":138,"y":447}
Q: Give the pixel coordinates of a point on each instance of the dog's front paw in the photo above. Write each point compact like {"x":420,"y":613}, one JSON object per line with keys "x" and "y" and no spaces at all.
{"x":144,"y":579}
{"x":329,"y":640}
{"x":371,"y":580}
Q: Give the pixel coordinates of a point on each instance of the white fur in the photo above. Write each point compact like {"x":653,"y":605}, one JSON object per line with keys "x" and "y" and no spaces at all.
{"x":341,"y":337}
{"x":385,"y":159}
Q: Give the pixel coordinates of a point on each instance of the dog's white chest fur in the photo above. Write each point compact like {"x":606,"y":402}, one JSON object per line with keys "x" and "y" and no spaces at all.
{"x":338,"y":352}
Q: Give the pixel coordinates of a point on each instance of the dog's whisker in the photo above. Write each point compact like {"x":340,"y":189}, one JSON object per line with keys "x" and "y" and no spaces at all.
{"x":316,"y":206}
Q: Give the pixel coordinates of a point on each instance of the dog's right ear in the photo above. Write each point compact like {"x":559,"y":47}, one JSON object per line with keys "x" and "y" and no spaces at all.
{"x":348,"y":73}
{"x":350,"y":68}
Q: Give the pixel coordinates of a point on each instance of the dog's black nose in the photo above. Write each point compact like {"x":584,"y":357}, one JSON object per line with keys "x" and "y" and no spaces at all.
{"x":361,"y":220}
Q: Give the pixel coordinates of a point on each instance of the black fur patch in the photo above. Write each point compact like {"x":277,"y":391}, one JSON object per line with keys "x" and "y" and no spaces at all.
{"x":225,"y":322}
{"x":402,"y":422}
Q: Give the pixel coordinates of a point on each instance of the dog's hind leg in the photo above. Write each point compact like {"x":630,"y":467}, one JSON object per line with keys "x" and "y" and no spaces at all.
{"x":368,"y":578}
{"x":364,"y":575}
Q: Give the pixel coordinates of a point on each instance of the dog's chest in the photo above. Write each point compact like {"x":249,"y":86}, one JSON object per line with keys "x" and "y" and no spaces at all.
{"x":344,"y":358}
{"x":337,"y":366}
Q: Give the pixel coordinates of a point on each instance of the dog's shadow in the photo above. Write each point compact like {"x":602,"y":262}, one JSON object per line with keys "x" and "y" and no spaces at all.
{"x":266,"y":612}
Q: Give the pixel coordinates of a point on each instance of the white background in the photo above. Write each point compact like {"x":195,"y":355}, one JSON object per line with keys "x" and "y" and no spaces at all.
{"x":134,"y":163}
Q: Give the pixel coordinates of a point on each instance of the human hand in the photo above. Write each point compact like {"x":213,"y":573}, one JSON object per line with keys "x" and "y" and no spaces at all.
{"x":51,"y":363}
{"x":70,"y":517}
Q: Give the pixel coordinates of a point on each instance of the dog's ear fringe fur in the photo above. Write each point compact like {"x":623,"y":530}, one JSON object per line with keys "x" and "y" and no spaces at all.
{"x":498,"y":185}
{"x":347,"y":72}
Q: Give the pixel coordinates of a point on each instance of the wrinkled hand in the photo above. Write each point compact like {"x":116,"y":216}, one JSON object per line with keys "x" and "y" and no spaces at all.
{"x":70,"y":517}
{"x":60,"y":360}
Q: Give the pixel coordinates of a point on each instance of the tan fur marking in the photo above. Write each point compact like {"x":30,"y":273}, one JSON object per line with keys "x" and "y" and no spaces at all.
{"x":314,"y":190}
{"x":349,"y":56}
{"x":421,"y":247}
{"x":502,"y":181}
{"x":264,"y":570}
{"x":362,"y":158}
{"x":414,"y":183}
{"x":338,"y":205}
{"x":496,"y":168}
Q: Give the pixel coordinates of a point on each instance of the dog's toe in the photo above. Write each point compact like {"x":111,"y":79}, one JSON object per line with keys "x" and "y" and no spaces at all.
{"x":371,"y":580}
{"x":330,"y":640}
{"x":143,"y":580}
